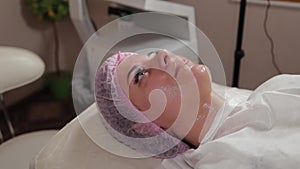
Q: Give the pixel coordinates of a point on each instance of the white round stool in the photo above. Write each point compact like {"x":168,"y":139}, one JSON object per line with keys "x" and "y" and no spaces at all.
{"x":17,"y":152}
{"x":18,"y":67}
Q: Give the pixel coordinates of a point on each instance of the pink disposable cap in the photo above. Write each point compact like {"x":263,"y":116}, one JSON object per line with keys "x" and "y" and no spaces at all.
{"x":146,"y":138}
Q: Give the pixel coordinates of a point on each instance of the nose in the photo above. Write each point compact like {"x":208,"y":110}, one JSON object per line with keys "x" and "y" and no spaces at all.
{"x":163,"y":57}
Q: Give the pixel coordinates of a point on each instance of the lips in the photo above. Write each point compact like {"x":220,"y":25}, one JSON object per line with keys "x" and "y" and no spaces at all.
{"x":179,"y":63}
{"x":175,"y":63}
{"x":182,"y":63}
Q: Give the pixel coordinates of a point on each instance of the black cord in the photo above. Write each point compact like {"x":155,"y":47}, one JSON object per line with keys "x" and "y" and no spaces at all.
{"x":269,"y":36}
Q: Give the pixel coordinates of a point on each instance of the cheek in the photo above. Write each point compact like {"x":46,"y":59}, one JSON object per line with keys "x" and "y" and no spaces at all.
{"x":171,"y":111}
{"x":138,"y":98}
{"x":172,"y":93}
{"x":173,"y":97}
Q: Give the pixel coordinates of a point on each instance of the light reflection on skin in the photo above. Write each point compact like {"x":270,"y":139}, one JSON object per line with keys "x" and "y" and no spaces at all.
{"x":139,"y":75}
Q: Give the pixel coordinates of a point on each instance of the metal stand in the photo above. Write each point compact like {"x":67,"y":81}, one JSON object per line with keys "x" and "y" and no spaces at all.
{"x":239,"y":53}
{"x":6,"y":116}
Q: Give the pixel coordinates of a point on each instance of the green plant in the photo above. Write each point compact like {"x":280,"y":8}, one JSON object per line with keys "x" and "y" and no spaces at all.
{"x":50,"y":10}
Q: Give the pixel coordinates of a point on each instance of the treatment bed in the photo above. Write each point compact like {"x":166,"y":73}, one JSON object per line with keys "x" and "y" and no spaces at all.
{"x":74,"y":148}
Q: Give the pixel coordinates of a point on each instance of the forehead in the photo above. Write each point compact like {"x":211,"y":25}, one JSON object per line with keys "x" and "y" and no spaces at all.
{"x":131,"y":60}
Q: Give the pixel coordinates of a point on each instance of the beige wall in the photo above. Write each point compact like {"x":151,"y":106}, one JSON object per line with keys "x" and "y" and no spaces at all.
{"x":18,"y":28}
{"x":219,"y":19}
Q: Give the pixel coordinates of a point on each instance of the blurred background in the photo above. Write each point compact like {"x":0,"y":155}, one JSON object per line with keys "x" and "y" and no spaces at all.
{"x":33,"y":107}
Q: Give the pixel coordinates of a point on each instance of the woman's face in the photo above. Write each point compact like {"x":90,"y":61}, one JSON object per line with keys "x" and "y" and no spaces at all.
{"x":140,"y":75}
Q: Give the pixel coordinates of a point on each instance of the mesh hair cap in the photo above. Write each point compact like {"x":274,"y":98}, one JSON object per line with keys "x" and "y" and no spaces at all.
{"x":123,"y":120}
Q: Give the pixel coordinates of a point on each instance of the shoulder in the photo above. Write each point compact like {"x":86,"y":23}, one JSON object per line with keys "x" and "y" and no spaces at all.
{"x":280,"y":83}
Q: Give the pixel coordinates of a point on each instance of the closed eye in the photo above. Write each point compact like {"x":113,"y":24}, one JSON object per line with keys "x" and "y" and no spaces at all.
{"x":139,"y":75}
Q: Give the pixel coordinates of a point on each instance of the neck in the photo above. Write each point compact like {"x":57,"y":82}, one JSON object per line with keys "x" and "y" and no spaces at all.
{"x":207,"y":112}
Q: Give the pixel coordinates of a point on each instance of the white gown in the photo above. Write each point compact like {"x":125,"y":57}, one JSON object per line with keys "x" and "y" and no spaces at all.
{"x":260,"y":132}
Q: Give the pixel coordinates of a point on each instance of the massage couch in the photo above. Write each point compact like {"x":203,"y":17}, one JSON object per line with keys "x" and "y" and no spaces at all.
{"x":83,"y":143}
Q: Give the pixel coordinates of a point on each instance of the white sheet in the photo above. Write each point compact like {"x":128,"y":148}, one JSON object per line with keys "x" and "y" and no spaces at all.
{"x":262,"y":132}
{"x":71,"y":148}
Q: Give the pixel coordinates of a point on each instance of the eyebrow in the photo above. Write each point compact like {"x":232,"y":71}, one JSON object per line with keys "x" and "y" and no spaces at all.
{"x":130,"y":71}
{"x":155,"y":51}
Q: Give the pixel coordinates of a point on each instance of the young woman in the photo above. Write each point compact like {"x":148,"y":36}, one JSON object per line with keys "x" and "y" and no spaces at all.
{"x":152,"y":102}
{"x":174,"y":76}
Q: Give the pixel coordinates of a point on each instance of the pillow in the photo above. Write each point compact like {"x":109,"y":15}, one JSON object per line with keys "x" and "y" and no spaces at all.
{"x":72,"y":148}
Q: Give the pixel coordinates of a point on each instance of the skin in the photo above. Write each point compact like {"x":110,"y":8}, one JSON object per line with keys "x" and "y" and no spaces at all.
{"x":152,"y":84}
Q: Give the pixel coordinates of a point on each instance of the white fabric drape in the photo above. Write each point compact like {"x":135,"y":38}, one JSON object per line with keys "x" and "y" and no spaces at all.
{"x":262,"y":132}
